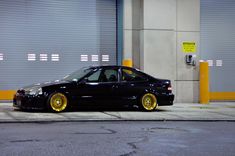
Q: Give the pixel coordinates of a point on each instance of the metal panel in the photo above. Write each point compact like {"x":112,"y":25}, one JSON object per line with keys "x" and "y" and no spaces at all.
{"x":218,"y":42}
{"x":119,"y":31}
{"x":55,"y":33}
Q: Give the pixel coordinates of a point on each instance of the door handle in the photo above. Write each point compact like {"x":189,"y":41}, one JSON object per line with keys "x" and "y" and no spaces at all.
{"x":132,"y":84}
{"x":114,"y":86}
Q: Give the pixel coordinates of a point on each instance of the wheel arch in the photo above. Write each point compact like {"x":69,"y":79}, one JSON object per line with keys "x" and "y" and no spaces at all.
{"x":145,"y":91}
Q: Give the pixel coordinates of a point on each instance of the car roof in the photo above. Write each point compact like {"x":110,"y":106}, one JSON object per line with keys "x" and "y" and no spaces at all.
{"x":117,"y":66}
{"x":112,"y":66}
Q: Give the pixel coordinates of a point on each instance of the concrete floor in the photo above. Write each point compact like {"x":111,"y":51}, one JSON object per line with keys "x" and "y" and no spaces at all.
{"x":120,"y":138}
{"x":224,"y":111}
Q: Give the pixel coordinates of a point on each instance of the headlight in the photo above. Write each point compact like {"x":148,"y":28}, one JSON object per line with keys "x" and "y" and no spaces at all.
{"x":35,"y":91}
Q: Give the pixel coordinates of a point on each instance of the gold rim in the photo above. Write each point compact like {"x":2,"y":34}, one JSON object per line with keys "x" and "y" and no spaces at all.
{"x":58,"y":102}
{"x":149,"y":101}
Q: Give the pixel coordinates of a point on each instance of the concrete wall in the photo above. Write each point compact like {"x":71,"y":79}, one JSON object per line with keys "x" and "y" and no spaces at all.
{"x":132,"y":26}
{"x":127,"y":29}
{"x":156,"y":30}
{"x":187,"y":29}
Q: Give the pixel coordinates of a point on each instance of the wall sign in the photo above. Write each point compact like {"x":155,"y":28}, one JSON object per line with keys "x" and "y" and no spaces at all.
{"x":189,"y":47}
{"x":219,"y":63}
{"x":210,"y":63}
{"x":31,"y":57}
{"x":1,"y":57}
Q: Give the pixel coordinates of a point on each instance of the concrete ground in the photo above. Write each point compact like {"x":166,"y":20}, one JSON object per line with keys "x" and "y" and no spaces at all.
{"x":120,"y":138}
{"x":219,"y":111}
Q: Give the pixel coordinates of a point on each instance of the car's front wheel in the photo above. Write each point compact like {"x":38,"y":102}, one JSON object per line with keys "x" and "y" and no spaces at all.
{"x":57,"y":102}
{"x":149,"y":102}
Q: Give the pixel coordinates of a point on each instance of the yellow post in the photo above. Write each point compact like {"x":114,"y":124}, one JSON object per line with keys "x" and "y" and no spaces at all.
{"x":7,"y":94}
{"x":204,"y":83}
{"x":127,"y":62}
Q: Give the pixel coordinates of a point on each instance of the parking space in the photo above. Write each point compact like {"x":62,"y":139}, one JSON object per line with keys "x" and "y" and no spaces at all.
{"x":224,"y":111}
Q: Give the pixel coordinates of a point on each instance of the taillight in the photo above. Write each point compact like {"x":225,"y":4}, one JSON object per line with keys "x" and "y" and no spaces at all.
{"x":169,"y":87}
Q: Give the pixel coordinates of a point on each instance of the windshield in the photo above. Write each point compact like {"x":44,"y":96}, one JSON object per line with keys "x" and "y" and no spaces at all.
{"x":77,"y":75}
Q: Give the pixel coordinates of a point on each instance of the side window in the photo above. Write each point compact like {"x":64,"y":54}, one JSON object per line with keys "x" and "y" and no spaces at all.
{"x":129,"y":75}
{"x":109,"y":75}
{"x":94,"y":77}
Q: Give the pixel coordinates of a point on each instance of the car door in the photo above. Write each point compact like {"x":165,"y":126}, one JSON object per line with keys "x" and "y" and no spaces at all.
{"x":132,"y":85}
{"x":99,"y":87}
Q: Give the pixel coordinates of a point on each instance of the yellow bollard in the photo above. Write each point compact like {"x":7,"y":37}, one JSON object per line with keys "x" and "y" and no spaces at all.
{"x":127,"y":62}
{"x":204,"y":83}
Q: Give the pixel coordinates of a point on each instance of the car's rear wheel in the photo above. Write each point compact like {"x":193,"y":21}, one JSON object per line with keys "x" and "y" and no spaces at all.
{"x":57,"y":102}
{"x":149,"y":102}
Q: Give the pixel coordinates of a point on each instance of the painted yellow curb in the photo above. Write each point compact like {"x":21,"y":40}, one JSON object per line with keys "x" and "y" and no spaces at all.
{"x":222,"y":95}
{"x":7,"y":94}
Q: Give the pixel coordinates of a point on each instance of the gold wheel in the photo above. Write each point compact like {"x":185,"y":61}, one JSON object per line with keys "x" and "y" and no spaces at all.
{"x":58,"y":102}
{"x":149,"y":102}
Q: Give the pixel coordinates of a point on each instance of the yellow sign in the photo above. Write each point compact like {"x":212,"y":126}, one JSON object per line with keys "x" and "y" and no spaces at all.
{"x":189,"y":47}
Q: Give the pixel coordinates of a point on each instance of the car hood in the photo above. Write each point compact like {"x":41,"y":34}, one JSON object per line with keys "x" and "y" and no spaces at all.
{"x":45,"y":84}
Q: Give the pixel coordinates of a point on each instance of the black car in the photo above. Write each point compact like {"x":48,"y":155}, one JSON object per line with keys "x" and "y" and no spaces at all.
{"x":101,"y":85}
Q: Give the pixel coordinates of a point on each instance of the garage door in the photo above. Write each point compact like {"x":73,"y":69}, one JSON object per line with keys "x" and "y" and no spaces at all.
{"x":43,"y":40}
{"x":218,"y":42}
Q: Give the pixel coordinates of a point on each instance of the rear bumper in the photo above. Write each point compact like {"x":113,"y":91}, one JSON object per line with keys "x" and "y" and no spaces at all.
{"x":29,"y":101}
{"x":165,"y":99}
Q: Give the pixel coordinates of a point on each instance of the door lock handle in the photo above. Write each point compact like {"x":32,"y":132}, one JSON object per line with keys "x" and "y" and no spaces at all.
{"x":114,"y":86}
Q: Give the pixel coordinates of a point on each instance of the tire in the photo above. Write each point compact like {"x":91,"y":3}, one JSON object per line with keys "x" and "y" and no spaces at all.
{"x":57,"y":102}
{"x":148,"y":102}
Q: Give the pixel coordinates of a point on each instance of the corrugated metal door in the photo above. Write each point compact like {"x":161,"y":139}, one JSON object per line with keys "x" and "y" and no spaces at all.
{"x":218,"y":42}
{"x":43,"y":40}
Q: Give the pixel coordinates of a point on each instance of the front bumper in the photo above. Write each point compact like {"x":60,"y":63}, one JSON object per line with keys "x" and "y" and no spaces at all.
{"x":23,"y":101}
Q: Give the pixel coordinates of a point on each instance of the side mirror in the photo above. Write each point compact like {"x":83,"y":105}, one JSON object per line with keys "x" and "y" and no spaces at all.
{"x":75,"y":80}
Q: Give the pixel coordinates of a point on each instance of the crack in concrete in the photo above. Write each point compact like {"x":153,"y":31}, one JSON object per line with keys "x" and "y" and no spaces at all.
{"x":134,"y":146}
{"x":108,"y":131}
{"x":63,"y":115}
{"x":28,"y":140}
{"x":157,"y":129}
{"x":11,"y":116}
{"x":129,"y":154}
{"x":116,"y":116}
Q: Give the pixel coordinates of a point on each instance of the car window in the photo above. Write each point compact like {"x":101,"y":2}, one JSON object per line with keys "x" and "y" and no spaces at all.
{"x":109,"y":75}
{"x":94,"y":77}
{"x":77,"y":75}
{"x":129,"y":75}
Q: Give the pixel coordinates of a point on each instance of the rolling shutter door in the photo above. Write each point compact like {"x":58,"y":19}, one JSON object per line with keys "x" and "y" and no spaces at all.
{"x":47,"y":39}
{"x":218,"y":42}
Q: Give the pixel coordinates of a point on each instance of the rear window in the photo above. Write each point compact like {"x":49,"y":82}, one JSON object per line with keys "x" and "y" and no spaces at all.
{"x":131,"y":75}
